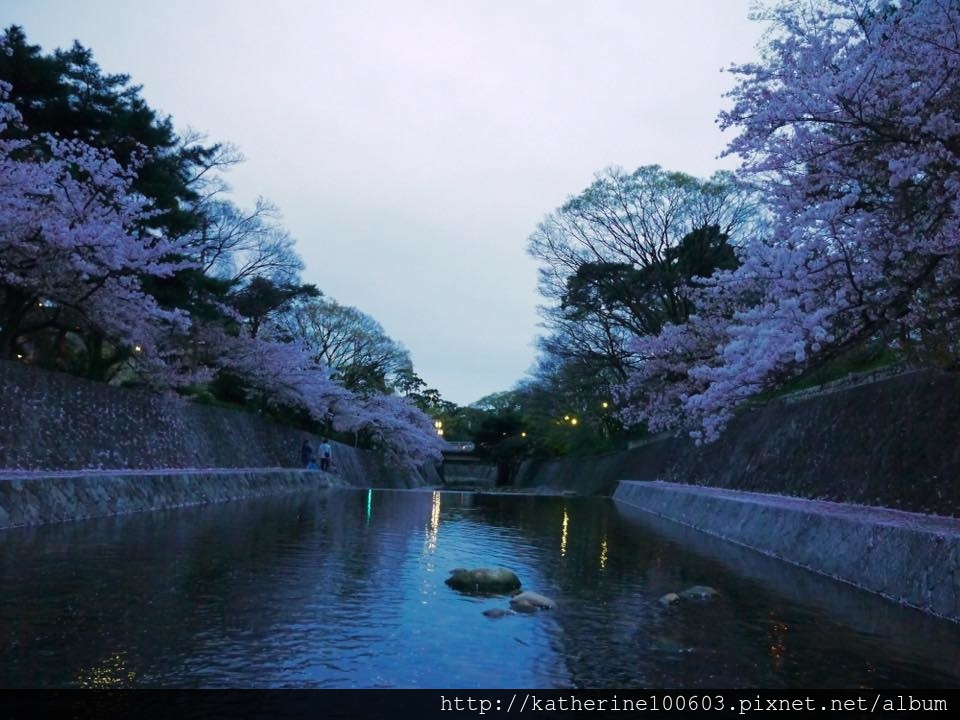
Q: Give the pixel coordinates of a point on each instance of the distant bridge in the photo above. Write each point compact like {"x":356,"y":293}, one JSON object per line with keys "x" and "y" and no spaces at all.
{"x":457,"y":447}
{"x":462,"y":466}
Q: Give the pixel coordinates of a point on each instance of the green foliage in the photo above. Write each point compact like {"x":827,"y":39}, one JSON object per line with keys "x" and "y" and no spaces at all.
{"x":865,"y":358}
{"x":228,"y":388}
{"x":459,"y":423}
{"x":647,"y":296}
{"x":192,"y":290}
{"x":499,"y":436}
{"x":263,"y":297}
{"x":562,"y":410}
{"x":701,"y":252}
{"x":502,"y":439}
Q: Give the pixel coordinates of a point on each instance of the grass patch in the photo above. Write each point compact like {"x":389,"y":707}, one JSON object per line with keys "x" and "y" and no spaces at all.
{"x":860,"y":360}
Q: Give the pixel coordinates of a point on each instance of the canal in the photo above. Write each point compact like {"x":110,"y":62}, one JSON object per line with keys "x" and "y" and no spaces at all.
{"x":346,"y":589}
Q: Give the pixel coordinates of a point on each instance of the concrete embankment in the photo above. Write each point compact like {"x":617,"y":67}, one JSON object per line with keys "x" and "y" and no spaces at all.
{"x":911,"y":558}
{"x":38,"y":498}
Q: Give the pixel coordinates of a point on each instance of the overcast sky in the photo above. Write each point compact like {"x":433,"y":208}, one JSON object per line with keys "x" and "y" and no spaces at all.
{"x":414,"y":146}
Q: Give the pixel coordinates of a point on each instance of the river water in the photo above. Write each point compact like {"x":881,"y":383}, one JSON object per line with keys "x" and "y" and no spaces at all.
{"x":346,"y":589}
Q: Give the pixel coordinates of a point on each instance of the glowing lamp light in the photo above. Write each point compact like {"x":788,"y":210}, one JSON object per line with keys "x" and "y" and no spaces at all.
{"x":137,"y":348}
{"x":605,"y":405}
{"x":523,"y":434}
{"x":573,"y":421}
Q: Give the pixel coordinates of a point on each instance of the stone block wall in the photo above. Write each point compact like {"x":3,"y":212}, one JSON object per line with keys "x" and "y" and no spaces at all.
{"x":53,"y":421}
{"x":894,"y":442}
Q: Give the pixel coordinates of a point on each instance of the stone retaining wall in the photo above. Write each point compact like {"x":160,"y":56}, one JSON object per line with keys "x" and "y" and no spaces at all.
{"x":479,"y":474}
{"x":911,"y":558}
{"x":52,"y":421}
{"x":894,"y":443}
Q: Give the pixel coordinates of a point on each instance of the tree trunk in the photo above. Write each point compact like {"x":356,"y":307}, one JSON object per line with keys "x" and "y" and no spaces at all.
{"x":12,"y":310}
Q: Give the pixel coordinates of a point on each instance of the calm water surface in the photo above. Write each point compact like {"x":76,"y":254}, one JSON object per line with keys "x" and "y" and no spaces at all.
{"x":346,"y":590}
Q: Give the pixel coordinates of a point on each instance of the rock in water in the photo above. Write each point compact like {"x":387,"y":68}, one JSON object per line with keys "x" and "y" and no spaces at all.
{"x":530,"y":602}
{"x":669,"y":599}
{"x":483,"y":580}
{"x":496,"y":613}
{"x":699,"y":592}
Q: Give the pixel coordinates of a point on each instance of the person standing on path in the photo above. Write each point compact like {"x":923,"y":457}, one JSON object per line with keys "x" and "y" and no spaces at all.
{"x":324,"y":451}
{"x":306,"y":454}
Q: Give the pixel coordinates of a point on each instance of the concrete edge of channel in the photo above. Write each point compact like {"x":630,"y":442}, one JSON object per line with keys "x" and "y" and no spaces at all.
{"x":39,"y":499}
{"x":910,"y":558}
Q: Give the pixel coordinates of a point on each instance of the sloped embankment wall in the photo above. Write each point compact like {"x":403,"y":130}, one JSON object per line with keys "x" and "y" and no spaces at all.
{"x":906,"y":557}
{"x":53,"y":421}
{"x":894,"y":443}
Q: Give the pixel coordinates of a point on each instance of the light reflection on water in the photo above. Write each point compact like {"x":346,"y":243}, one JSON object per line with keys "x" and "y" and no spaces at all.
{"x":346,"y":590}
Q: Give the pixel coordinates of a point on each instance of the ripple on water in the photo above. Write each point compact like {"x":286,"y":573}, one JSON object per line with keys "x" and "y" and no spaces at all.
{"x":347,"y":589}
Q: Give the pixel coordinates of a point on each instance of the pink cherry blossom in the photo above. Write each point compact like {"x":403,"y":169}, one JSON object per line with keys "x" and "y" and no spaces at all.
{"x":850,"y":124}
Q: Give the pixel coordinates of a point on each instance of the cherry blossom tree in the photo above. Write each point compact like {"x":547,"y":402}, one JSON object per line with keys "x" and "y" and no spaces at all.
{"x":850,"y":124}
{"x":281,"y":373}
{"x":284,"y":373}
{"x":396,"y":427}
{"x":74,"y":248}
{"x":76,"y":244}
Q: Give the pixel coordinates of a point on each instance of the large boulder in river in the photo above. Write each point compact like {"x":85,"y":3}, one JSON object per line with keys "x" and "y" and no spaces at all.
{"x":531,"y":602}
{"x":483,"y":580}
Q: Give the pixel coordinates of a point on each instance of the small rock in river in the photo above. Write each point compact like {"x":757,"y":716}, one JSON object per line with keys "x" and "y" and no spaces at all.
{"x":496,"y":613}
{"x":530,"y":602}
{"x":669,"y":599}
{"x":699,"y":592}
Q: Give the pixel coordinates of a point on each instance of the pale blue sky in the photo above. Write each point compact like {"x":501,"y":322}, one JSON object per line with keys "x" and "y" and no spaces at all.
{"x":413,"y":146}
